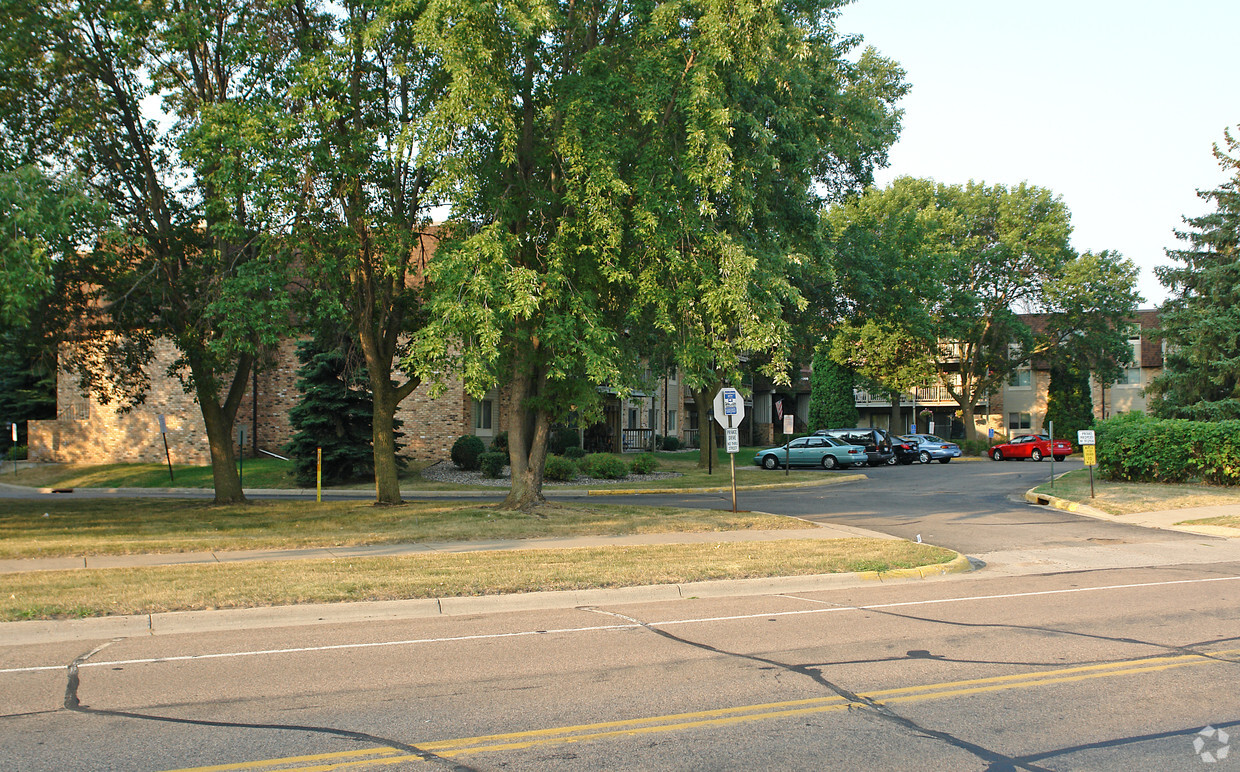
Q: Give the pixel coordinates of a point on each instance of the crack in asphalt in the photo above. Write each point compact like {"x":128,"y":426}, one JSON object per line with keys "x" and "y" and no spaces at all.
{"x":73,"y":703}
{"x":869,"y":707}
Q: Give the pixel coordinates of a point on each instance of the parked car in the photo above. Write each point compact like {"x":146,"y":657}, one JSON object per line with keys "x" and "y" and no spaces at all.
{"x":827,"y":452}
{"x":1034,"y":447}
{"x":934,"y":448}
{"x":877,"y":443}
{"x":906,"y":450}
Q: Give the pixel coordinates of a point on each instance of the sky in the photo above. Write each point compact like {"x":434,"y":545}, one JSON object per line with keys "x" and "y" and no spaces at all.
{"x":1114,"y":106}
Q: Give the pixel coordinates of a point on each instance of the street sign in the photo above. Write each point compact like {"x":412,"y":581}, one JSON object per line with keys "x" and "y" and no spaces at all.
{"x":732,"y":440}
{"x":788,"y":424}
{"x":1085,"y":437}
{"x":163,"y":424}
{"x":992,"y":432}
{"x":729,"y":407}
{"x":1091,"y":456}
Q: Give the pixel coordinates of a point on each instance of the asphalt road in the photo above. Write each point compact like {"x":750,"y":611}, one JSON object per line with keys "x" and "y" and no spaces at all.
{"x":1090,"y":668}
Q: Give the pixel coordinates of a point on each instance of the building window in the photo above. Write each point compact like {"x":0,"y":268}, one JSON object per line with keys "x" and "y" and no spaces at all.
{"x":482,"y":415}
{"x":633,"y":418}
{"x":1019,"y":421}
{"x":671,"y":421}
{"x":1130,"y":377}
{"x":1021,"y":378}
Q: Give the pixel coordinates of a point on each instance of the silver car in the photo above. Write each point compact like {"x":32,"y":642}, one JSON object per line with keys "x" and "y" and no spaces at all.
{"x":932,"y":448}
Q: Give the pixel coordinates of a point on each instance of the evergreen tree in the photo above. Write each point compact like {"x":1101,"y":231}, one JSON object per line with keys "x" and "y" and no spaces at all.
{"x":831,"y":401}
{"x":334,"y":413}
{"x":1069,"y":401}
{"x":27,"y":382}
{"x":1200,"y":323}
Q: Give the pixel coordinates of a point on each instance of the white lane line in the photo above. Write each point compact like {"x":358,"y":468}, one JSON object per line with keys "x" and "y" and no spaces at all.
{"x":606,"y":628}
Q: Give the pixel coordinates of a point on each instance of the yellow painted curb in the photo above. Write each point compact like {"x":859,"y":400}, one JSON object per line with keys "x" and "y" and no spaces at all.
{"x":724,"y":488}
{"x":958,"y":565}
{"x":1064,"y":504}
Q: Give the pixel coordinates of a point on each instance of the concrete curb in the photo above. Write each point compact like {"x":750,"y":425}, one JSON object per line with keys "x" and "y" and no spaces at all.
{"x":725,"y":488}
{"x":180,"y":622}
{"x":1066,"y":505}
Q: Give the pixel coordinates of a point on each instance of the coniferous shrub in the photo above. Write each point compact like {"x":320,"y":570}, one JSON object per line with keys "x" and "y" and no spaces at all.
{"x":574,"y":452}
{"x":465,"y":452}
{"x":334,"y":414}
{"x":561,"y":439}
{"x":499,"y":443}
{"x":492,"y":463}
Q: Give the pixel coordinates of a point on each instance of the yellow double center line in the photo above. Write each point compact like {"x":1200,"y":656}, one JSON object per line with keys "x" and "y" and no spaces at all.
{"x":720,"y":717}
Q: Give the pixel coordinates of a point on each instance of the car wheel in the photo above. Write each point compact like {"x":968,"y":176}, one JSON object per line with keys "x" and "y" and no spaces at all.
{"x":947,"y":460}
{"x":1035,"y":455}
{"x":769,"y":462}
{"x":996,"y":454}
{"x":924,"y":457}
{"x":891,"y":461}
{"x":1060,"y":458}
{"x":829,"y":462}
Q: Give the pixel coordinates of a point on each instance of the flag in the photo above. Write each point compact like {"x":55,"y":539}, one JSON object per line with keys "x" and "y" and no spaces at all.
{"x":779,"y":410}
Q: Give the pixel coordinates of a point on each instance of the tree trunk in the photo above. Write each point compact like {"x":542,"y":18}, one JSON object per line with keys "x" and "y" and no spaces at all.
{"x":896,"y":417}
{"x":383,"y":439}
{"x":527,"y":443}
{"x":703,"y":402}
{"x":219,"y":421}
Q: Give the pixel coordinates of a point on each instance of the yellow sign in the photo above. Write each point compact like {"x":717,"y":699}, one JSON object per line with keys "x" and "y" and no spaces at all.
{"x":1091,"y":457}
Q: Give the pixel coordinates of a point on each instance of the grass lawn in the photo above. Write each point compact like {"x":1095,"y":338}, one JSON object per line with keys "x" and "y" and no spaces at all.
{"x":274,"y":473}
{"x":82,"y":593}
{"x":1123,"y":498}
{"x":130,"y":526}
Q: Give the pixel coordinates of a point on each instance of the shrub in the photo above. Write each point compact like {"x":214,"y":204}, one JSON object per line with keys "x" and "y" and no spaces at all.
{"x":671,"y":443}
{"x":499,"y":443}
{"x":1137,"y":448}
{"x":492,"y":463}
{"x":465,"y":452}
{"x":645,"y":464}
{"x":574,"y":452}
{"x":16,"y":453}
{"x":976,"y":447}
{"x":562,"y":438}
{"x":604,"y":466}
{"x":560,"y":469}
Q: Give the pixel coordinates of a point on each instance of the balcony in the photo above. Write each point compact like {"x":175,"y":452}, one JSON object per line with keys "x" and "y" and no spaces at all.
{"x":927,"y":397}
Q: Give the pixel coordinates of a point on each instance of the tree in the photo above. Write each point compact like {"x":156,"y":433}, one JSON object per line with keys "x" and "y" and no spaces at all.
{"x":885,"y":358}
{"x":185,"y":258}
{"x":1200,"y":322}
{"x":978,"y":252}
{"x":832,"y":403}
{"x":1069,"y":400}
{"x":334,"y":414}
{"x":361,"y":85}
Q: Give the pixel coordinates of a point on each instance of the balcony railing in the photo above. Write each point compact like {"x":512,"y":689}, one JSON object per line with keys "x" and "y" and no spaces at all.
{"x":636,"y":439}
{"x":931,"y":395}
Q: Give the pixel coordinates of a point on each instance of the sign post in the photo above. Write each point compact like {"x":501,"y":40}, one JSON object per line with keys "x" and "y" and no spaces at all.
{"x":241,"y":457}
{"x":14,"y":425}
{"x":729,"y":412}
{"x":318,"y":475}
{"x":1051,"y":426}
{"x":163,"y":431}
{"x":1088,"y":442}
{"x":788,"y":427}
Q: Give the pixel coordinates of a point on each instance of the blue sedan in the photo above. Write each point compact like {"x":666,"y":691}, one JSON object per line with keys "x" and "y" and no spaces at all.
{"x":934,"y":448}
{"x":827,"y":452}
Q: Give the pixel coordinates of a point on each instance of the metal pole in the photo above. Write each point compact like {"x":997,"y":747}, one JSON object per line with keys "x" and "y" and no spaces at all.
{"x":1052,"y":428}
{"x":318,"y":485}
{"x":168,"y":456}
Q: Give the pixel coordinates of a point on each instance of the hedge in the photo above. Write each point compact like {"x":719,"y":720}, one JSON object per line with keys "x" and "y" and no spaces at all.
{"x":493,"y":463}
{"x":1138,"y":448}
{"x":560,"y":469}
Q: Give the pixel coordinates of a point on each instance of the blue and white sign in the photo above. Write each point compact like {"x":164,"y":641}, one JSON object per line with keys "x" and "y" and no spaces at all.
{"x":729,"y":407}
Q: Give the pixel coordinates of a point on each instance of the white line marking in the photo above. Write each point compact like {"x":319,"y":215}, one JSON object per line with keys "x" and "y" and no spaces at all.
{"x":606,"y":628}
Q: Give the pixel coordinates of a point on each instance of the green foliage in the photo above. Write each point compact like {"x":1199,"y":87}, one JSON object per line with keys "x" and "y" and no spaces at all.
{"x":492,"y":463}
{"x":604,"y":466}
{"x":465,"y":452}
{"x":1200,"y":322}
{"x":1069,"y":401}
{"x":560,"y":469}
{"x":334,"y":413}
{"x":671,"y":443}
{"x":16,"y":452}
{"x":832,"y":403}
{"x":562,"y":438}
{"x":575,"y":452}
{"x":644,"y":463}
{"x":1141,"y":448}
{"x":499,"y":443}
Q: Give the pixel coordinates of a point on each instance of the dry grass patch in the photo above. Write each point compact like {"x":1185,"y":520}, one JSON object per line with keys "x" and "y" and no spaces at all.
{"x":1230,"y":521}
{"x":84,"y":593}
{"x":1125,"y":498}
{"x":75,"y":527}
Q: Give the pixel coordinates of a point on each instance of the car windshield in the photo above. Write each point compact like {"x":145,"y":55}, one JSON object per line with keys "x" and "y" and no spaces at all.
{"x":931,"y":438}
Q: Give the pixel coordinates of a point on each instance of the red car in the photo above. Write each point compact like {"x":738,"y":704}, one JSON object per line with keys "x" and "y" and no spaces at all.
{"x":1032,"y":446}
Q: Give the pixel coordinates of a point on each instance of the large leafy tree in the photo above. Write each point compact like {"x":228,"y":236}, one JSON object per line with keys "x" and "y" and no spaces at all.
{"x":360,"y":87}
{"x":184,"y":258}
{"x":1200,"y":322}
